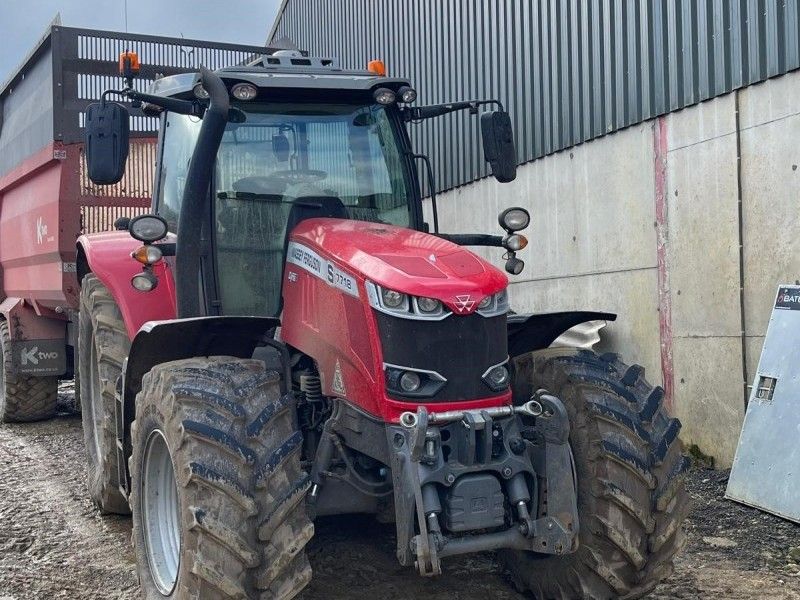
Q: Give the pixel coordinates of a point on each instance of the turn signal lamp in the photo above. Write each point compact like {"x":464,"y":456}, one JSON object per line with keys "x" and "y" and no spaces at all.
{"x":147,"y":254}
{"x":515,"y":242}
{"x":377,"y":67}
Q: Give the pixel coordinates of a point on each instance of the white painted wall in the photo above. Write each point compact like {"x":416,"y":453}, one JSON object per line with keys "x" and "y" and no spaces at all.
{"x":593,"y":242}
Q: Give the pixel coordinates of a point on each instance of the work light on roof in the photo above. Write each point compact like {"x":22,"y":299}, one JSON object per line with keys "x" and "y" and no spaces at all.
{"x":244,"y":91}
{"x":384,"y":96}
{"x":407,"y":94}
{"x":200,"y":92}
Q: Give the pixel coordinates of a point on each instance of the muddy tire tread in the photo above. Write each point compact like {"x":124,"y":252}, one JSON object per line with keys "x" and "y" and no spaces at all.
{"x":632,"y":499}
{"x":209,"y":407}
{"x":100,"y":322}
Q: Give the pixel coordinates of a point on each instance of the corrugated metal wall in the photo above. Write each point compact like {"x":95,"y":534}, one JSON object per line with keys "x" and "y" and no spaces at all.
{"x":567,"y":70}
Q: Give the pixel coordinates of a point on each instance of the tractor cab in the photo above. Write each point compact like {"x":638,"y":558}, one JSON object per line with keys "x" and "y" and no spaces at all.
{"x":300,"y":138}
{"x":281,"y":161}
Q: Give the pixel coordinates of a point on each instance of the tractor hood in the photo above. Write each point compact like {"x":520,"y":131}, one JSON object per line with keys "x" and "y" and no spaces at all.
{"x":405,"y":260}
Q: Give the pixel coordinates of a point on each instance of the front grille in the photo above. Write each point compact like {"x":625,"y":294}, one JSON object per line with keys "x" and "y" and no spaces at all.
{"x":460,"y":349}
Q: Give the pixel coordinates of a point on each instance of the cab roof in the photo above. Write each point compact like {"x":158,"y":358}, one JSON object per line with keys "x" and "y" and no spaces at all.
{"x":313,"y":76}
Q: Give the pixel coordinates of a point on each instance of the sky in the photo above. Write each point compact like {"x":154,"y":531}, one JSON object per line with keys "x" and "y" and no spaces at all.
{"x":23,"y":22}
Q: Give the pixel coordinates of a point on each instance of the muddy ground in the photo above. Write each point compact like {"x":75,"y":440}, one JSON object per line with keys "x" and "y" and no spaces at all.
{"x":53,"y":544}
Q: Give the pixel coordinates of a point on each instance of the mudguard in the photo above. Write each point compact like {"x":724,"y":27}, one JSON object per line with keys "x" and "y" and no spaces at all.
{"x":108,"y":256}
{"x":37,"y":338}
{"x":529,"y":332}
{"x":158,"y":342}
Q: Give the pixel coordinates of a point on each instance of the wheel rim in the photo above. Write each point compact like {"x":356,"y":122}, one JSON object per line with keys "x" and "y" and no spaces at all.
{"x":96,"y":395}
{"x":160,"y":515}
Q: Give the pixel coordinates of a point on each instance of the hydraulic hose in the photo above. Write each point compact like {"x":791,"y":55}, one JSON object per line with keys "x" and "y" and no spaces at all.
{"x":194,"y":205}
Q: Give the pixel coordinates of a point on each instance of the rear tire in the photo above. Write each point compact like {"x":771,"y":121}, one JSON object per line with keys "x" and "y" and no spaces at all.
{"x":103,"y":345}
{"x":239,"y":491}
{"x":630,"y":471}
{"x":22,"y":398}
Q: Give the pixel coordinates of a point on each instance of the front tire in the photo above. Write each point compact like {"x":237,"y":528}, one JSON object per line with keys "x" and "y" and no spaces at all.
{"x":23,"y":399}
{"x":218,"y":493}
{"x":630,"y":474}
{"x":103,"y":345}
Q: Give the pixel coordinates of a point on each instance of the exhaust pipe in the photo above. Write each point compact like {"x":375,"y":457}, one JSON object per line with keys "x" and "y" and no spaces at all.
{"x":195,"y":196}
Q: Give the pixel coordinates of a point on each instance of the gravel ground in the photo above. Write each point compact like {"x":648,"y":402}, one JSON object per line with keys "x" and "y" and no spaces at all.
{"x":53,"y":544}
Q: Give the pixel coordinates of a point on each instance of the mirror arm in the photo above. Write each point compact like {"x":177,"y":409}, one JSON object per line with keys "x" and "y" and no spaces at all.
{"x":183,"y":107}
{"x":472,"y":239}
{"x":432,"y":187}
{"x":420,"y":113}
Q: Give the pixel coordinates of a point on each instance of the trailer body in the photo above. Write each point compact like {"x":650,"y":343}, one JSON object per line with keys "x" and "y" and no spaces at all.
{"x":46,"y":199}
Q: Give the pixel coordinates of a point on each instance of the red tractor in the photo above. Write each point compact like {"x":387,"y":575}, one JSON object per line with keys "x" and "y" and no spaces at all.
{"x":285,"y":337}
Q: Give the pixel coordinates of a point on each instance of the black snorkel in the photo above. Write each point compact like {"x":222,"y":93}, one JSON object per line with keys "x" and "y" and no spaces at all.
{"x":195,"y":195}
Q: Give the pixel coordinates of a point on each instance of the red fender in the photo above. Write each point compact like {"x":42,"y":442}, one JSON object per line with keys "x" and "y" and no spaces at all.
{"x":109,"y":257}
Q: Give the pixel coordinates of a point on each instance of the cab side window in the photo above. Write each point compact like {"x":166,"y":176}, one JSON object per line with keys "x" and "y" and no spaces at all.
{"x":180,"y":134}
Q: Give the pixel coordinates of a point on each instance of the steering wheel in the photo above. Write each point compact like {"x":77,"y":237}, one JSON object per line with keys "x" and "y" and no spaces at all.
{"x":299,"y":176}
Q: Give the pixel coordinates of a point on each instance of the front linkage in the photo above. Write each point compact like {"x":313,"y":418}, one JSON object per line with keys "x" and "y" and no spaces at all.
{"x":447,"y":470}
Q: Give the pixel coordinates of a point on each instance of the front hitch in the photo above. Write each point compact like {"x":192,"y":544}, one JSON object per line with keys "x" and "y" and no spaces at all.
{"x":483,"y":479}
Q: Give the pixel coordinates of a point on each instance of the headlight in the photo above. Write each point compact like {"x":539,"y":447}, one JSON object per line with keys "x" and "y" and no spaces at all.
{"x":497,"y":377}
{"x":392,"y":299}
{"x":144,"y":282}
{"x":409,"y":381}
{"x":514,"y":219}
{"x":494,"y":305}
{"x":514,"y":265}
{"x":399,"y":304}
{"x":429,"y":305}
{"x":148,"y":228}
{"x":412,"y":383}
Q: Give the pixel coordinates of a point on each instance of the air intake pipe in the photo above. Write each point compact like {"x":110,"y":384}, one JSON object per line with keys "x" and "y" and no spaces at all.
{"x":195,"y":196}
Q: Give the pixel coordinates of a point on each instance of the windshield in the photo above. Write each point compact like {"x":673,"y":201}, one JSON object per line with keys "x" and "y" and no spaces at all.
{"x":345,"y":152}
{"x":283,"y":152}
{"x":334,"y":160}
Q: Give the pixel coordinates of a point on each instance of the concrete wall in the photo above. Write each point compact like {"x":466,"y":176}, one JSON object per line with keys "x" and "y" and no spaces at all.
{"x":694,"y":319}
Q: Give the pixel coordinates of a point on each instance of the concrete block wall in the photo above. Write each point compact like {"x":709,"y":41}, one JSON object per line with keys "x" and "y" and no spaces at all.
{"x":693,"y":310}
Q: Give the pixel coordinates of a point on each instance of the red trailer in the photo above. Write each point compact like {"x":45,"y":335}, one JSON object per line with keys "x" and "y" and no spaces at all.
{"x":47,"y":201}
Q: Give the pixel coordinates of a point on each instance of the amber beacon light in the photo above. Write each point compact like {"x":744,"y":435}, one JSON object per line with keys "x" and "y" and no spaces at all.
{"x":378,"y":67}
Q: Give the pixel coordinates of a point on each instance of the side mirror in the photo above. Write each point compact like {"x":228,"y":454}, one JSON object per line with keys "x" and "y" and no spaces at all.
{"x":107,"y":136}
{"x":498,"y":145}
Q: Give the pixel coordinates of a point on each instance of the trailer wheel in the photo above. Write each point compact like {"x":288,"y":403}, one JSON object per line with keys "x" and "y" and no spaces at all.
{"x":22,"y":398}
{"x":103,"y":345}
{"x":630,"y":477}
{"x":218,"y":493}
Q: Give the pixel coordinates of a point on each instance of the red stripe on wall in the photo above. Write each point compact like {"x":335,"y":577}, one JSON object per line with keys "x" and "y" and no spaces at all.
{"x":662,"y":231}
